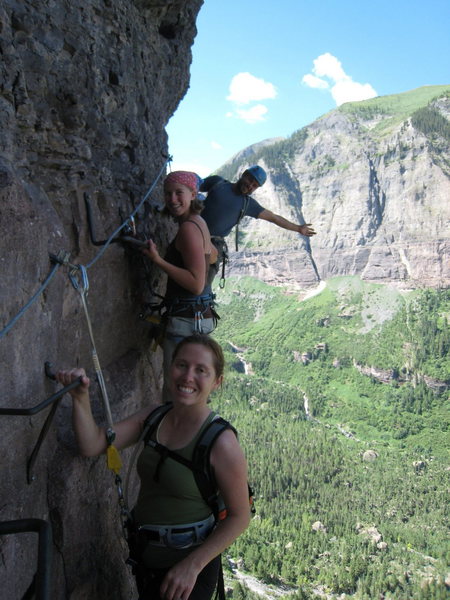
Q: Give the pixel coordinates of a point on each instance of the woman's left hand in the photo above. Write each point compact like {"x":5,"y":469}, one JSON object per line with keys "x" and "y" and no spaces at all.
{"x":151,"y":251}
{"x":179,"y":581}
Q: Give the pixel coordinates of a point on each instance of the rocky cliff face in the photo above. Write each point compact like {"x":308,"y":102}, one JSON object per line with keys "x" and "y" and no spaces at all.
{"x":376,"y":186}
{"x":86,"y":89}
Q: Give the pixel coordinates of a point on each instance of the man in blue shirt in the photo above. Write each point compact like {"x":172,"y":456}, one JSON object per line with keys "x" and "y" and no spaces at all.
{"x":227,"y":203}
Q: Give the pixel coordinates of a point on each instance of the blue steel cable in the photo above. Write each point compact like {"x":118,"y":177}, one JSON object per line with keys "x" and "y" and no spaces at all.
{"x":93,"y":261}
{"x":125,"y":223}
{"x":30,"y":302}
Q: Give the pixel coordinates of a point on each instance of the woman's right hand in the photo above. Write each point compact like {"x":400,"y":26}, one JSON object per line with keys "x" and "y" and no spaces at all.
{"x":66,"y":377}
{"x":151,"y":251}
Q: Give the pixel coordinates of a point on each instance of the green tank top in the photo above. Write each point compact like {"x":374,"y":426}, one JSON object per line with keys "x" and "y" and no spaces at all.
{"x":175,"y":498}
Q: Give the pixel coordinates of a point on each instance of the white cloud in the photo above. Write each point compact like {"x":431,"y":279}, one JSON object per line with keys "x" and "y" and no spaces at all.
{"x":252,"y":115}
{"x":314,"y":82}
{"x":342,"y":87}
{"x":246,"y":88}
{"x":216,"y":145}
{"x":327,"y":65}
{"x":351,"y":91}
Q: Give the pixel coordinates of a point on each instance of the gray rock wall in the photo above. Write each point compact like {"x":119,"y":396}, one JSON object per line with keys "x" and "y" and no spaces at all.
{"x":86,"y":89}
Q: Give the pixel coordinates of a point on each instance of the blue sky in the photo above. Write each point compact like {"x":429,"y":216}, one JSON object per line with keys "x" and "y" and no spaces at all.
{"x":263,"y":69}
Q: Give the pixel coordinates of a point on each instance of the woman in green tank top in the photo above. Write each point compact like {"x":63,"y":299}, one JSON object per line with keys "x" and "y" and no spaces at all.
{"x":176,"y":565}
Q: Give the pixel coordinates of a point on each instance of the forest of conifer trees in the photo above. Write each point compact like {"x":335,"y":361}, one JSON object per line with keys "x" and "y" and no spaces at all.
{"x":352,"y":499}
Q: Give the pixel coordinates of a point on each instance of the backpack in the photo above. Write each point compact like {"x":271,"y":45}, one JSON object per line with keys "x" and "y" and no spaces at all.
{"x":200,"y":463}
{"x":241,"y":213}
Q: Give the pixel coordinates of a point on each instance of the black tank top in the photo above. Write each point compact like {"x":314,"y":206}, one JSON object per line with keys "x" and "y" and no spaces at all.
{"x":174,"y":257}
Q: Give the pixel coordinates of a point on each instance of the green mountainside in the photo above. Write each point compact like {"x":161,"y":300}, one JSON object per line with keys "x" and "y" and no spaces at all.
{"x":396,"y":108}
{"x":380,"y":115}
{"x":341,"y":402}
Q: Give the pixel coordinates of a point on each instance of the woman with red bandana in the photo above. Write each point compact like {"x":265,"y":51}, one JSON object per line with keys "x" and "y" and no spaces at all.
{"x":188,"y":299}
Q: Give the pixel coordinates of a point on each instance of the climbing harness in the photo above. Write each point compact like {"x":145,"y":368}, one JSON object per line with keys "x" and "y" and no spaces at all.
{"x":197,"y":308}
{"x":112,"y":455}
{"x":176,"y":537}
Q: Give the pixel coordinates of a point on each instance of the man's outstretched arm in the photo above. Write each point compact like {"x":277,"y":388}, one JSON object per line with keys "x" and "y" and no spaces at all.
{"x":305,"y":229}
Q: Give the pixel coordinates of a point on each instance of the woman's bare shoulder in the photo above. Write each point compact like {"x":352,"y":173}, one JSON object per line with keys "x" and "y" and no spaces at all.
{"x":193,"y":231}
{"x":226,"y":448}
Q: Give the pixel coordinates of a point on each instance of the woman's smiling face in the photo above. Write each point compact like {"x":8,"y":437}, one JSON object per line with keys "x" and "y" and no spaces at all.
{"x":178,"y":198}
{"x":193,"y":375}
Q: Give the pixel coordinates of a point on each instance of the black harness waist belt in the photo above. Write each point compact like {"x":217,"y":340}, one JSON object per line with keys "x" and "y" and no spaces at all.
{"x":186,"y":307}
{"x":190,"y":312}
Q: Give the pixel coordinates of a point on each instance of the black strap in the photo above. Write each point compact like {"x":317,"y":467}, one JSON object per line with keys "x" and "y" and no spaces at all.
{"x":165,"y":452}
{"x":222,"y":255}
{"x":222,"y":279}
{"x":150,"y":424}
{"x":199,"y":465}
{"x":241,"y":216}
{"x":154,"y":418}
{"x":220,"y":590}
{"x":204,"y":474}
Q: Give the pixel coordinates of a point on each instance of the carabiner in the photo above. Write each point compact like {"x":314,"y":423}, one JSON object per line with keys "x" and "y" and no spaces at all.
{"x":84,"y":288}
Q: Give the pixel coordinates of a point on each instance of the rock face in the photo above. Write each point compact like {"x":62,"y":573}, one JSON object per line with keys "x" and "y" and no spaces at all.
{"x":86,"y":89}
{"x":375,"y":183}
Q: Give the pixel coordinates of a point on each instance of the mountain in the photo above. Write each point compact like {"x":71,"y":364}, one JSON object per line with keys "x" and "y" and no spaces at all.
{"x":87,"y":89}
{"x":373,"y":177}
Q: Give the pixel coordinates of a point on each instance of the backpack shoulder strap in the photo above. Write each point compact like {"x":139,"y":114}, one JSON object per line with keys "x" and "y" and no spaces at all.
{"x":218,"y":183}
{"x":244,"y":208}
{"x":154,"y":419}
{"x":200,"y":463}
{"x":151,"y":423}
{"x":241,"y":216}
{"x":204,"y":474}
{"x":211,"y":432}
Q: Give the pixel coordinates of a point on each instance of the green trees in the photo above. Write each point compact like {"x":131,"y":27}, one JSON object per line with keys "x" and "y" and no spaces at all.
{"x":431,"y":122}
{"x":328,"y":513}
